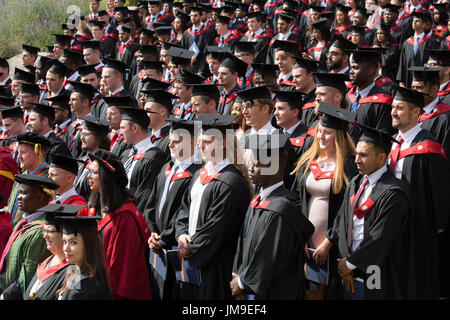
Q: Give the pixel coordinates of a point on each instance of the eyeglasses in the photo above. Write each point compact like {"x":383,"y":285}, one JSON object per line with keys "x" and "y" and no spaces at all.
{"x":239,"y":55}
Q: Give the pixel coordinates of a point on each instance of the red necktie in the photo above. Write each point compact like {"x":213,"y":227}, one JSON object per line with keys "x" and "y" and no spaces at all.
{"x":11,"y":239}
{"x":354,"y":204}
{"x":393,"y":155}
{"x":113,"y":139}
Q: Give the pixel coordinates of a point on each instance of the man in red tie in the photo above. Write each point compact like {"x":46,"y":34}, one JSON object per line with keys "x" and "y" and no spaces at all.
{"x":421,"y":162}
{"x":372,"y":229}
{"x":272,"y":224}
{"x":26,"y":247}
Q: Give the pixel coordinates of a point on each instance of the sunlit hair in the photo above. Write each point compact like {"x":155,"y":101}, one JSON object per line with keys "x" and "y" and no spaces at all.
{"x":238,"y":161}
{"x":344,"y":147}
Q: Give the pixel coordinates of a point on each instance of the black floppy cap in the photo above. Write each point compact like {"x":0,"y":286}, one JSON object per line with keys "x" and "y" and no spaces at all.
{"x":409,"y":95}
{"x":440,"y":55}
{"x":176,"y":123}
{"x":265,"y":69}
{"x":367,"y":55}
{"x":139,"y":116}
{"x":335,"y":80}
{"x":292,"y":97}
{"x":334,"y":117}
{"x":23,"y":75}
{"x":266,"y":146}
{"x":391,"y":7}
{"x":65,"y":162}
{"x":425,"y":74}
{"x":320,"y":24}
{"x":189,"y":77}
{"x":30,"y":87}
{"x":216,"y":121}
{"x":41,"y":182}
{"x":163,"y":30}
{"x":342,"y":7}
{"x":379,"y":138}
{"x":244,"y":46}
{"x":62,"y":210}
{"x":92,"y":44}
{"x":96,"y":125}
{"x":121,"y":101}
{"x":205,"y":89}
{"x":86,"y":69}
{"x":254,"y":93}
{"x":236,"y":65}
{"x":287,"y":46}
{"x":44,"y":110}
{"x":61,"y":101}
{"x":30,"y":49}
{"x":76,"y":224}
{"x":115,"y":64}
{"x":33,"y":139}
{"x":11,"y":112}
{"x":179,"y":55}
{"x":83,"y":88}
{"x":163,"y":97}
{"x":307,"y":64}
{"x":59,"y":68}
{"x":150,"y":83}
{"x":75,"y":55}
{"x":153,"y":65}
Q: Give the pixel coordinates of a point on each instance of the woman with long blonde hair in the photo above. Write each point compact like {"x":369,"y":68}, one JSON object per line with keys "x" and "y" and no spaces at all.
{"x":321,"y":176}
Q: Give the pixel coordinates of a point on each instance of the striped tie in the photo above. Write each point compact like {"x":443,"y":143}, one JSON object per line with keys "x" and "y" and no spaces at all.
{"x":129,"y":161}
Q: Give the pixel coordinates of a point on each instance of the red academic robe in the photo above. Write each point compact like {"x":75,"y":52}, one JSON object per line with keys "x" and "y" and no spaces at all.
{"x":125,"y":235}
{"x":5,"y":228}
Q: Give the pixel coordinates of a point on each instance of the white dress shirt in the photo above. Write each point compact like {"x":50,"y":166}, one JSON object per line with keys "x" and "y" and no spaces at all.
{"x":408,"y":137}
{"x":142,"y":146}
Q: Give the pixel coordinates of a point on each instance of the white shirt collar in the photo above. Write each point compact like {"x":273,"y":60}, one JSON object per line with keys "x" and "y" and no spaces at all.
{"x":32,"y":217}
{"x":158,"y":132}
{"x":266,"y":129}
{"x":4,"y":82}
{"x":409,"y":135}
{"x":365,"y":92}
{"x":258,"y":32}
{"x":291,"y":129}
{"x":429,"y":107}
{"x":420,"y":36}
{"x":266,"y":192}
{"x":442,"y":86}
{"x":64,"y":124}
{"x":344,"y":70}
{"x":217,"y":168}
{"x":118,"y":90}
{"x":375,"y":176}
{"x":284,"y":77}
{"x":48,"y":133}
{"x":56,"y":93}
{"x":186,"y":163}
{"x":144,"y":145}
{"x":66,"y":195}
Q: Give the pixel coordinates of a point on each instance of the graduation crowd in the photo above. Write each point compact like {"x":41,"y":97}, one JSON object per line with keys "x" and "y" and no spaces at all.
{"x":215,"y":150}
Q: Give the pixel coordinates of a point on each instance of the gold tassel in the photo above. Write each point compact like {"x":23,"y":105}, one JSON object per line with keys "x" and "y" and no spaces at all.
{"x":38,"y":151}
{"x":49,"y":192}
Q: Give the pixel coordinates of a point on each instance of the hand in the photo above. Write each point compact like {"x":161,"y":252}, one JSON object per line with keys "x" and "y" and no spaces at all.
{"x":234,"y":285}
{"x":349,"y":282}
{"x":154,"y":242}
{"x":322,"y":251}
{"x":402,"y":85}
{"x":440,"y":231}
{"x":343,"y":270}
{"x":183,"y":244}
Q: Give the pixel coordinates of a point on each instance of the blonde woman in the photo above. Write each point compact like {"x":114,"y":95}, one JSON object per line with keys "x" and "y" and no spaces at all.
{"x":321,"y":176}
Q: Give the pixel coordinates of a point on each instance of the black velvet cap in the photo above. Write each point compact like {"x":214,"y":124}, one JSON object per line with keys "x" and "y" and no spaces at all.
{"x":205,"y":89}
{"x":23,"y":75}
{"x":139,"y":116}
{"x":307,"y":64}
{"x":37,"y":181}
{"x":293,"y":97}
{"x":96,"y":125}
{"x":150,"y":83}
{"x":60,"y":102}
{"x":409,"y":95}
{"x":162,"y":97}
{"x":30,"y":49}
{"x":121,"y":101}
{"x":264,"y":146}
{"x":334,"y":117}
{"x":30,"y":87}
{"x":83,"y":88}
{"x":265,"y":69}
{"x":33,"y":139}
{"x":111,"y":162}
{"x":425,"y":74}
{"x":63,"y":210}
{"x":189,"y":77}
{"x":379,"y":138}
{"x":11,"y":112}
{"x":236,"y":65}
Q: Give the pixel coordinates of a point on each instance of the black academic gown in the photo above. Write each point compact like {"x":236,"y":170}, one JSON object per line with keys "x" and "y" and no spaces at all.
{"x":73,"y":139}
{"x":144,"y":173}
{"x":275,"y":227}
{"x":201,"y":41}
{"x":99,"y":107}
{"x":386,"y":232}
{"x":163,"y":222}
{"x":58,"y":146}
{"x":407,"y":58}
{"x":334,"y":203}
{"x":438,"y":125}
{"x":427,"y":176}
{"x":298,"y":138}
{"x":120,"y":147}
{"x":222,"y":210}
{"x":162,"y":142}
{"x":128,"y":53}
{"x":47,"y":94}
{"x":107,"y":48}
{"x":81,"y":183}
{"x":309,"y":116}
{"x":261,"y":45}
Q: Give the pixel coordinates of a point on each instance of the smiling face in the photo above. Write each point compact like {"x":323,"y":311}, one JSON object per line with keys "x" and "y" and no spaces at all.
{"x":93,"y":176}
{"x":325,"y":137}
{"x":73,"y":248}
{"x":53,"y":239}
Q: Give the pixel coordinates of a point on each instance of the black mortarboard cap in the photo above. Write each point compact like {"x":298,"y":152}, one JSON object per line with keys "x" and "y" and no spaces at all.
{"x":114,"y":64}
{"x":341,"y":43}
{"x":124,"y":28}
{"x":11,"y":112}
{"x":182,"y":56}
{"x":335,"y":80}
{"x":425,"y":74}
{"x":219,"y":53}
{"x":62,"y":210}
{"x":265,"y":146}
{"x":123,"y":10}
{"x":342,"y":7}
{"x":59,"y":68}
{"x":92,"y":44}
{"x":366,"y":55}
{"x":293,"y":97}
{"x":76,"y":224}
{"x":121,"y":101}
{"x":422,"y":15}
{"x":358,"y":29}
{"x":285,"y":17}
{"x":334,"y":117}
{"x":320,"y":24}
{"x":153,"y":65}
{"x":391,"y":7}
{"x":96,"y":125}
{"x":30,"y":87}
{"x":265,"y":69}
{"x":440,"y":55}
{"x":149,"y":49}
{"x":136,"y":115}
{"x":176,"y":123}
{"x":307,"y":64}
{"x":30,"y":49}
{"x":287,"y":46}
{"x":150,"y":83}
{"x":327,"y":15}
{"x":197,"y":9}
{"x":216,"y":121}
{"x":62,"y":39}
{"x":45,"y":61}
{"x":205,"y":89}
{"x":163,"y":97}
{"x":65,"y":162}
{"x":98,"y":23}
{"x":41,"y":182}
{"x":317,"y":8}
{"x":223,"y":19}
{"x":363,"y":11}
{"x":379,"y":138}
{"x":254,"y":93}
{"x":86,"y":69}
{"x":33,"y":139}
{"x":75,"y":55}
{"x":60,"y":102}
{"x":189,"y":77}
{"x":163,"y":30}
{"x":83,"y":88}
{"x":244,"y":46}
{"x":23,"y":75}
{"x":415,"y":97}
{"x":235,"y":64}
{"x":440,"y":6}
{"x":44,"y":110}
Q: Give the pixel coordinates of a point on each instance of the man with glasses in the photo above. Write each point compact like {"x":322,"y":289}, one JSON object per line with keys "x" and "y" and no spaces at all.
{"x":338,"y":56}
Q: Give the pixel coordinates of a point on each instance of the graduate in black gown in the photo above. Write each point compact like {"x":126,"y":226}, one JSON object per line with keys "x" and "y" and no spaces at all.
{"x":420,"y":161}
{"x":272,"y":224}
{"x":50,"y":274}
{"x":372,"y":229}
{"x":212,"y":212}
{"x":164,"y":202}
